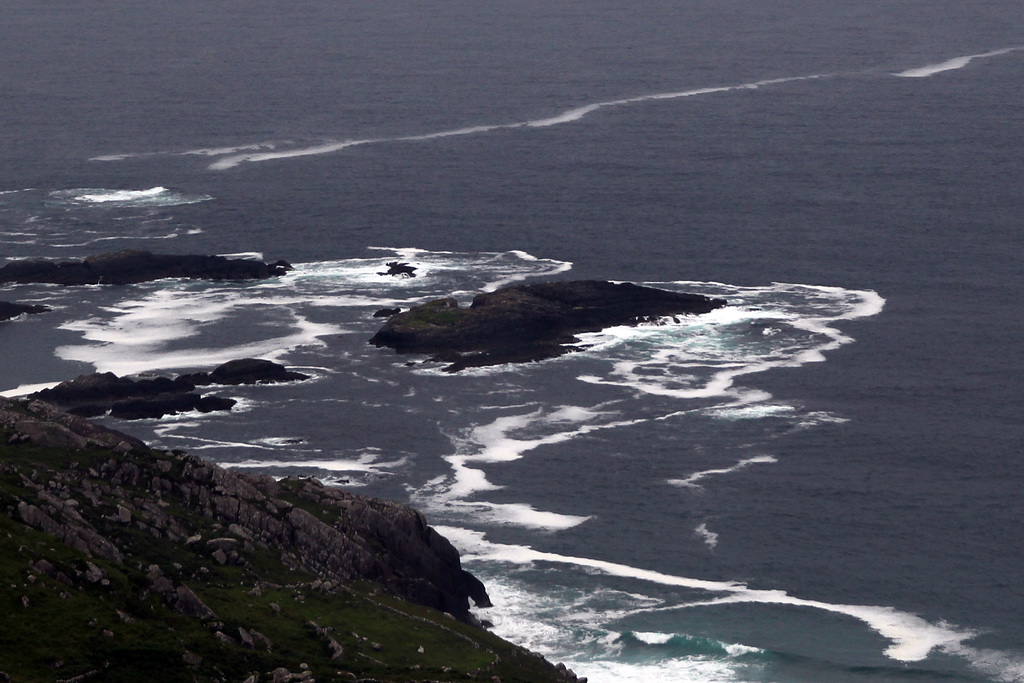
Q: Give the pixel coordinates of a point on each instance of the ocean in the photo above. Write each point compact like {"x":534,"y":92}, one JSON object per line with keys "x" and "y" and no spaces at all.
{"x":820,"y":482}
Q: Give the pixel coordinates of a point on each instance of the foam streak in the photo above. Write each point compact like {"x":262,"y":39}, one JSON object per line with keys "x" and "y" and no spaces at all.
{"x":691,"y":481}
{"x":952,"y":64}
{"x":912,"y":638}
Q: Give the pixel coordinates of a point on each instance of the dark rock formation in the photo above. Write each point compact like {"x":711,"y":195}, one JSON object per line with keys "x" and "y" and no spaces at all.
{"x":130,"y":399}
{"x":134,"y":399}
{"x":44,"y":424}
{"x":386,"y":312}
{"x":133,"y":266}
{"x":334,"y":535}
{"x":399,"y":269}
{"x":528,"y":322}
{"x":246,"y":371}
{"x":168,"y":404}
{"x":10,"y":310}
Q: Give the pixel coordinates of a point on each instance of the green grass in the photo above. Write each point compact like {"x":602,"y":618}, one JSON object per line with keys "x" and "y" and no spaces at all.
{"x":437,"y":313}
{"x":123,"y":630}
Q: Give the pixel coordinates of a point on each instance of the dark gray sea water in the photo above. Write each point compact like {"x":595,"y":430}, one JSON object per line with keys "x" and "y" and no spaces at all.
{"x":821,"y":482}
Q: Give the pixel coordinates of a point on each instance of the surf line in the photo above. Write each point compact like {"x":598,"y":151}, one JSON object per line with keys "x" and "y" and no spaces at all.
{"x":911,"y":637}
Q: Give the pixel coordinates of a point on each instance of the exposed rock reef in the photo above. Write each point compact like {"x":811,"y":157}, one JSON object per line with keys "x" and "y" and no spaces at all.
{"x":155,"y":397}
{"x":120,"y":562}
{"x":10,"y":310}
{"x":134,"y":266}
{"x":528,"y":322}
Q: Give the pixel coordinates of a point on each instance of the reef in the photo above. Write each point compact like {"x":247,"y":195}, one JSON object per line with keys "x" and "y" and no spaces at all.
{"x":529,"y":322}
{"x":134,"y":266}
{"x":154,"y":397}
{"x":10,"y":310}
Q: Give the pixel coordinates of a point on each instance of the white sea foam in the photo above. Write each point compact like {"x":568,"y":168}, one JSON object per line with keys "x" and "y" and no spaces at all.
{"x":368,"y":462}
{"x":26,"y":389}
{"x":275,"y":151}
{"x":233,"y":156}
{"x":140,"y":335}
{"x":709,"y":537}
{"x":911,"y":638}
{"x":497,"y":442}
{"x":151,"y":197}
{"x":952,"y":64}
{"x":325,"y":148}
{"x":120,"y":195}
{"x":653,"y":638}
{"x":702,"y":357}
{"x":691,"y":481}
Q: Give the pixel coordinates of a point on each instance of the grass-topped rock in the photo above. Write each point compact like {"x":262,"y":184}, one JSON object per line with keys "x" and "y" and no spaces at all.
{"x":123,"y":563}
{"x":528,"y":322}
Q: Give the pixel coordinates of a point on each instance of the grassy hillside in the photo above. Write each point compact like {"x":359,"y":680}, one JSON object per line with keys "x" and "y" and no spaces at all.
{"x":111,"y":577}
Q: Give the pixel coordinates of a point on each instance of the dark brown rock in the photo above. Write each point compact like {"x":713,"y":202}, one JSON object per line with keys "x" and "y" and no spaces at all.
{"x":528,"y":322}
{"x":10,"y":310}
{"x":133,"y":266}
{"x":253,"y":371}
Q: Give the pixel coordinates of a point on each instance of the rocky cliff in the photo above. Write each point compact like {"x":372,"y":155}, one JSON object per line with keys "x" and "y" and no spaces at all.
{"x":105,"y":541}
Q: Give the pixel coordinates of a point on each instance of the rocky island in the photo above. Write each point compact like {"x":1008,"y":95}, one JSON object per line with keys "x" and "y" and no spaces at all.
{"x":528,"y":322}
{"x":134,"y":266}
{"x":124,"y":563}
{"x":126,"y":398}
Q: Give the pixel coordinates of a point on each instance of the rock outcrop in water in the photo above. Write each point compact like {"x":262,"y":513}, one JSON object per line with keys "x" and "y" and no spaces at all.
{"x":155,"y":397}
{"x":528,"y":322}
{"x":10,"y":310}
{"x":134,"y":266}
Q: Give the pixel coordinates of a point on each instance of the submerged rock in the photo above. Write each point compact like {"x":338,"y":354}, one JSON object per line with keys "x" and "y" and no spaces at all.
{"x":528,"y":322}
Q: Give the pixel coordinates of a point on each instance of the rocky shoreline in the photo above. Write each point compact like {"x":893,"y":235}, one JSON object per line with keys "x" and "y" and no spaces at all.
{"x":235,"y":562}
{"x":141,"y":539}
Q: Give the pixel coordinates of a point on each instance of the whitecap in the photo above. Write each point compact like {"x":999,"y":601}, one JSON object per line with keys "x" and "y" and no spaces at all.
{"x":709,"y":537}
{"x":152,"y":197}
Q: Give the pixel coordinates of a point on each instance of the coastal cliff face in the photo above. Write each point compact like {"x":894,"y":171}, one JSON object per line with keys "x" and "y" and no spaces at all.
{"x":113,"y":550}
